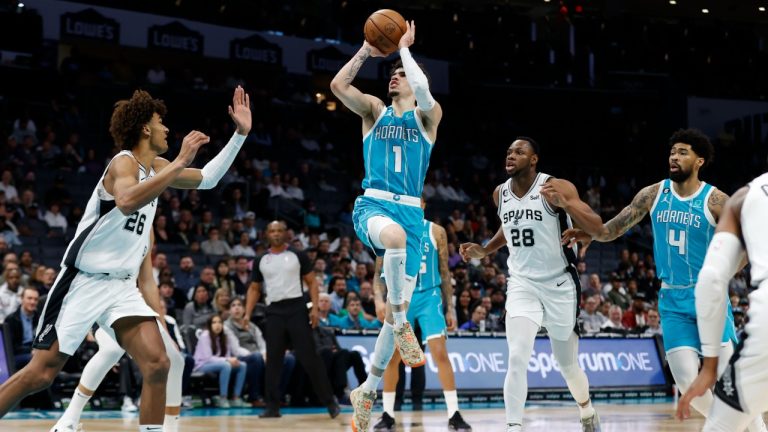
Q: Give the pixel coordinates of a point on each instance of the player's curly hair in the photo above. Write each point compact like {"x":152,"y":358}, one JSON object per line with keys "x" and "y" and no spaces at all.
{"x":698,"y":141}
{"x":131,"y":115}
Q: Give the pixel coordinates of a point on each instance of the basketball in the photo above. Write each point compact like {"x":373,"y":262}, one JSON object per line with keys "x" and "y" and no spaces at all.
{"x":383,"y":29}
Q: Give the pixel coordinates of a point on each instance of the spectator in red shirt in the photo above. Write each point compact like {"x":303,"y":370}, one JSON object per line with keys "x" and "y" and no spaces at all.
{"x":636,"y":315}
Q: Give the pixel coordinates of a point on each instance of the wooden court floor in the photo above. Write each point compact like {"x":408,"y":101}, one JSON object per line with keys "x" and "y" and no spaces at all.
{"x":640,"y":417}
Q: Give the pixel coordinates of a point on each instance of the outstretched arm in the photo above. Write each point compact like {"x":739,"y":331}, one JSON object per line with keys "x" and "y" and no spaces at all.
{"x":209,"y":176}
{"x":364,"y":105}
{"x":629,"y":216}
{"x":474,"y":250}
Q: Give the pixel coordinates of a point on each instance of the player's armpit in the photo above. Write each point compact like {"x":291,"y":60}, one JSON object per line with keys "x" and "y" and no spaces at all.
{"x":630,"y":215}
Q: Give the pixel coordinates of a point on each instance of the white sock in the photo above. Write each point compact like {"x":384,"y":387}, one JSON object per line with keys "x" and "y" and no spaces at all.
{"x":388,"y":400}
{"x":171,"y":423}
{"x":151,"y":428}
{"x":75,"y":408}
{"x":451,"y":401}
{"x":586,"y":411}
{"x":394,"y":269}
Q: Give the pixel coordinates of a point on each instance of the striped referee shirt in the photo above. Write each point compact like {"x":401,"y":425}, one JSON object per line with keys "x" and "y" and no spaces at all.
{"x":281,"y":274}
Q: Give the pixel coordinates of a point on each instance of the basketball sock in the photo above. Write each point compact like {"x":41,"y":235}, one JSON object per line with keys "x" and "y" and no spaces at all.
{"x":388,"y":401}
{"x":171,"y":423}
{"x":151,"y":428}
{"x":451,"y":401}
{"x":394,"y":270}
{"x":520,"y":343}
{"x":75,"y":408}
{"x":566,"y":353}
{"x":382,"y":353}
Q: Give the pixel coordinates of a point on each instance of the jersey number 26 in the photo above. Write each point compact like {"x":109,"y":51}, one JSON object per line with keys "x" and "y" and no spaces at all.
{"x":135,"y":223}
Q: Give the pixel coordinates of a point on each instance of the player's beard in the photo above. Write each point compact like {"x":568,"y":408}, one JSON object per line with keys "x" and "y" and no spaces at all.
{"x":680,"y":176}
{"x":393,"y":93}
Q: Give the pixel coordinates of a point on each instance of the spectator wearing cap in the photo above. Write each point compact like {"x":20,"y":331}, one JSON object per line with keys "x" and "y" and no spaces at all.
{"x":476,"y":291}
{"x":616,"y":293}
{"x":460,"y":274}
{"x":636,"y":316}
{"x":243,"y":248}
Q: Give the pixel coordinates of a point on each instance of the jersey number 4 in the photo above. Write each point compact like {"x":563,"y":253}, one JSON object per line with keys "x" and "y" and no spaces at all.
{"x":522,"y":237}
{"x":679,"y":241}
{"x":135,"y":223}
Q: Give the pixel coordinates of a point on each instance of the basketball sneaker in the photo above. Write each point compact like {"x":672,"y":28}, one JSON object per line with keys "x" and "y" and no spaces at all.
{"x":457,"y":424}
{"x":410,"y":349}
{"x":362,"y":404}
{"x":514,"y":427}
{"x":385,"y":424}
{"x":591,"y":424}
{"x":67,"y":428}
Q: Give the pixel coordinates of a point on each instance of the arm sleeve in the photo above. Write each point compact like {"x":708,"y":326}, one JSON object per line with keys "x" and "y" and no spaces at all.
{"x":417,"y":80}
{"x":722,"y":261}
{"x":214,"y":170}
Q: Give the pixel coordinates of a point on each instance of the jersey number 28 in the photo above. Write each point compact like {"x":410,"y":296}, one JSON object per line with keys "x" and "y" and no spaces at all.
{"x":522,"y":237}
{"x":135,"y":223}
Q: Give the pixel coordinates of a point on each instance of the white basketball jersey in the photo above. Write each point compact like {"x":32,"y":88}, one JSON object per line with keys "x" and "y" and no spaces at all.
{"x":754,"y":214}
{"x":533,"y":230}
{"x":106,"y":241}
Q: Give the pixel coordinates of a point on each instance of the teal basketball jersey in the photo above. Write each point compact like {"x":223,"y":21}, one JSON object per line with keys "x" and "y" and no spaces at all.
{"x":429,"y":272}
{"x":396,"y":154}
{"x":682,"y":230}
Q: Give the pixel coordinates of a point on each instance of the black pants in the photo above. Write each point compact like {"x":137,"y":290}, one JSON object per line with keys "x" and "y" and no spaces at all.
{"x":288,"y":323}
{"x":338,"y":362}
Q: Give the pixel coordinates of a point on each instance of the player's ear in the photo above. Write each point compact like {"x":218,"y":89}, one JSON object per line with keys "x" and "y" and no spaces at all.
{"x":534,"y":159}
{"x":146,"y":130}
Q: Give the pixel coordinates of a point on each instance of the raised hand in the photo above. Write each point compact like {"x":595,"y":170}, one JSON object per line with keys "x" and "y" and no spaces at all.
{"x":190,"y":145}
{"x":409,"y":36}
{"x":240,"y":111}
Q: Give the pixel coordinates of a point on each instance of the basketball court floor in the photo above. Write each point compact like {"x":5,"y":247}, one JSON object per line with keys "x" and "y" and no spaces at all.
{"x":643,"y":415}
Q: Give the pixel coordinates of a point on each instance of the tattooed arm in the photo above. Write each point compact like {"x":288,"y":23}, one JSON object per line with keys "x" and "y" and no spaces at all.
{"x":716,"y":203}
{"x":366,"y":106}
{"x":445,"y":275}
{"x":630,"y":215}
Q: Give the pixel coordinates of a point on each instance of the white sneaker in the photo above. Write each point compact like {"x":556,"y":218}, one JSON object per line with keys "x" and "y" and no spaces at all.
{"x":64,"y":427}
{"x":186,"y":402}
{"x":128,"y":405}
{"x":514,"y":428}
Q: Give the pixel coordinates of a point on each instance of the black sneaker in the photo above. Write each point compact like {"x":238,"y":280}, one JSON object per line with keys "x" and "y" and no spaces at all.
{"x":334,"y":410}
{"x":385,"y":424}
{"x":457,"y":423}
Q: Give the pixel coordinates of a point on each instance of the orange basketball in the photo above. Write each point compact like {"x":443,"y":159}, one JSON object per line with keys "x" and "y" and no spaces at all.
{"x":383,"y":29}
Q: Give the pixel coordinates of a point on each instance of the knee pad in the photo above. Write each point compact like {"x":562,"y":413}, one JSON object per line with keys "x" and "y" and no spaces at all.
{"x":376,"y":225}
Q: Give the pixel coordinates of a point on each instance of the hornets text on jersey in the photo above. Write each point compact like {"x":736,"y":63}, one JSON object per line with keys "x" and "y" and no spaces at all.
{"x":682,"y":230}
{"x":396,"y":154}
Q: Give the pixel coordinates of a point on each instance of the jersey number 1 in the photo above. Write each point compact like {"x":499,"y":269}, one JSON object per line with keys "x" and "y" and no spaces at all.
{"x":398,"y":158}
{"x":135,"y":223}
{"x":679,"y":242}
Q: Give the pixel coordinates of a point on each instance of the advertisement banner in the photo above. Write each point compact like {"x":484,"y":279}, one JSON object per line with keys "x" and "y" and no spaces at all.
{"x":256,"y":49}
{"x":175,"y":36}
{"x":328,"y":60}
{"x":89,"y":24}
{"x":481,"y":363}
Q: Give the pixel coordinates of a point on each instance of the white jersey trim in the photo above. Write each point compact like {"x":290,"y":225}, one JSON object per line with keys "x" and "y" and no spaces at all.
{"x":432,"y":235}
{"x":689,"y":197}
{"x":421,"y":128}
{"x":533,"y":185}
{"x":710,"y":217}
{"x":378,"y":119}
{"x":658,"y":196}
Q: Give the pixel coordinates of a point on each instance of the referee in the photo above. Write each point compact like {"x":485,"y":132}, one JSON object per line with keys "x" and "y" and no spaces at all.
{"x":280,"y":272}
